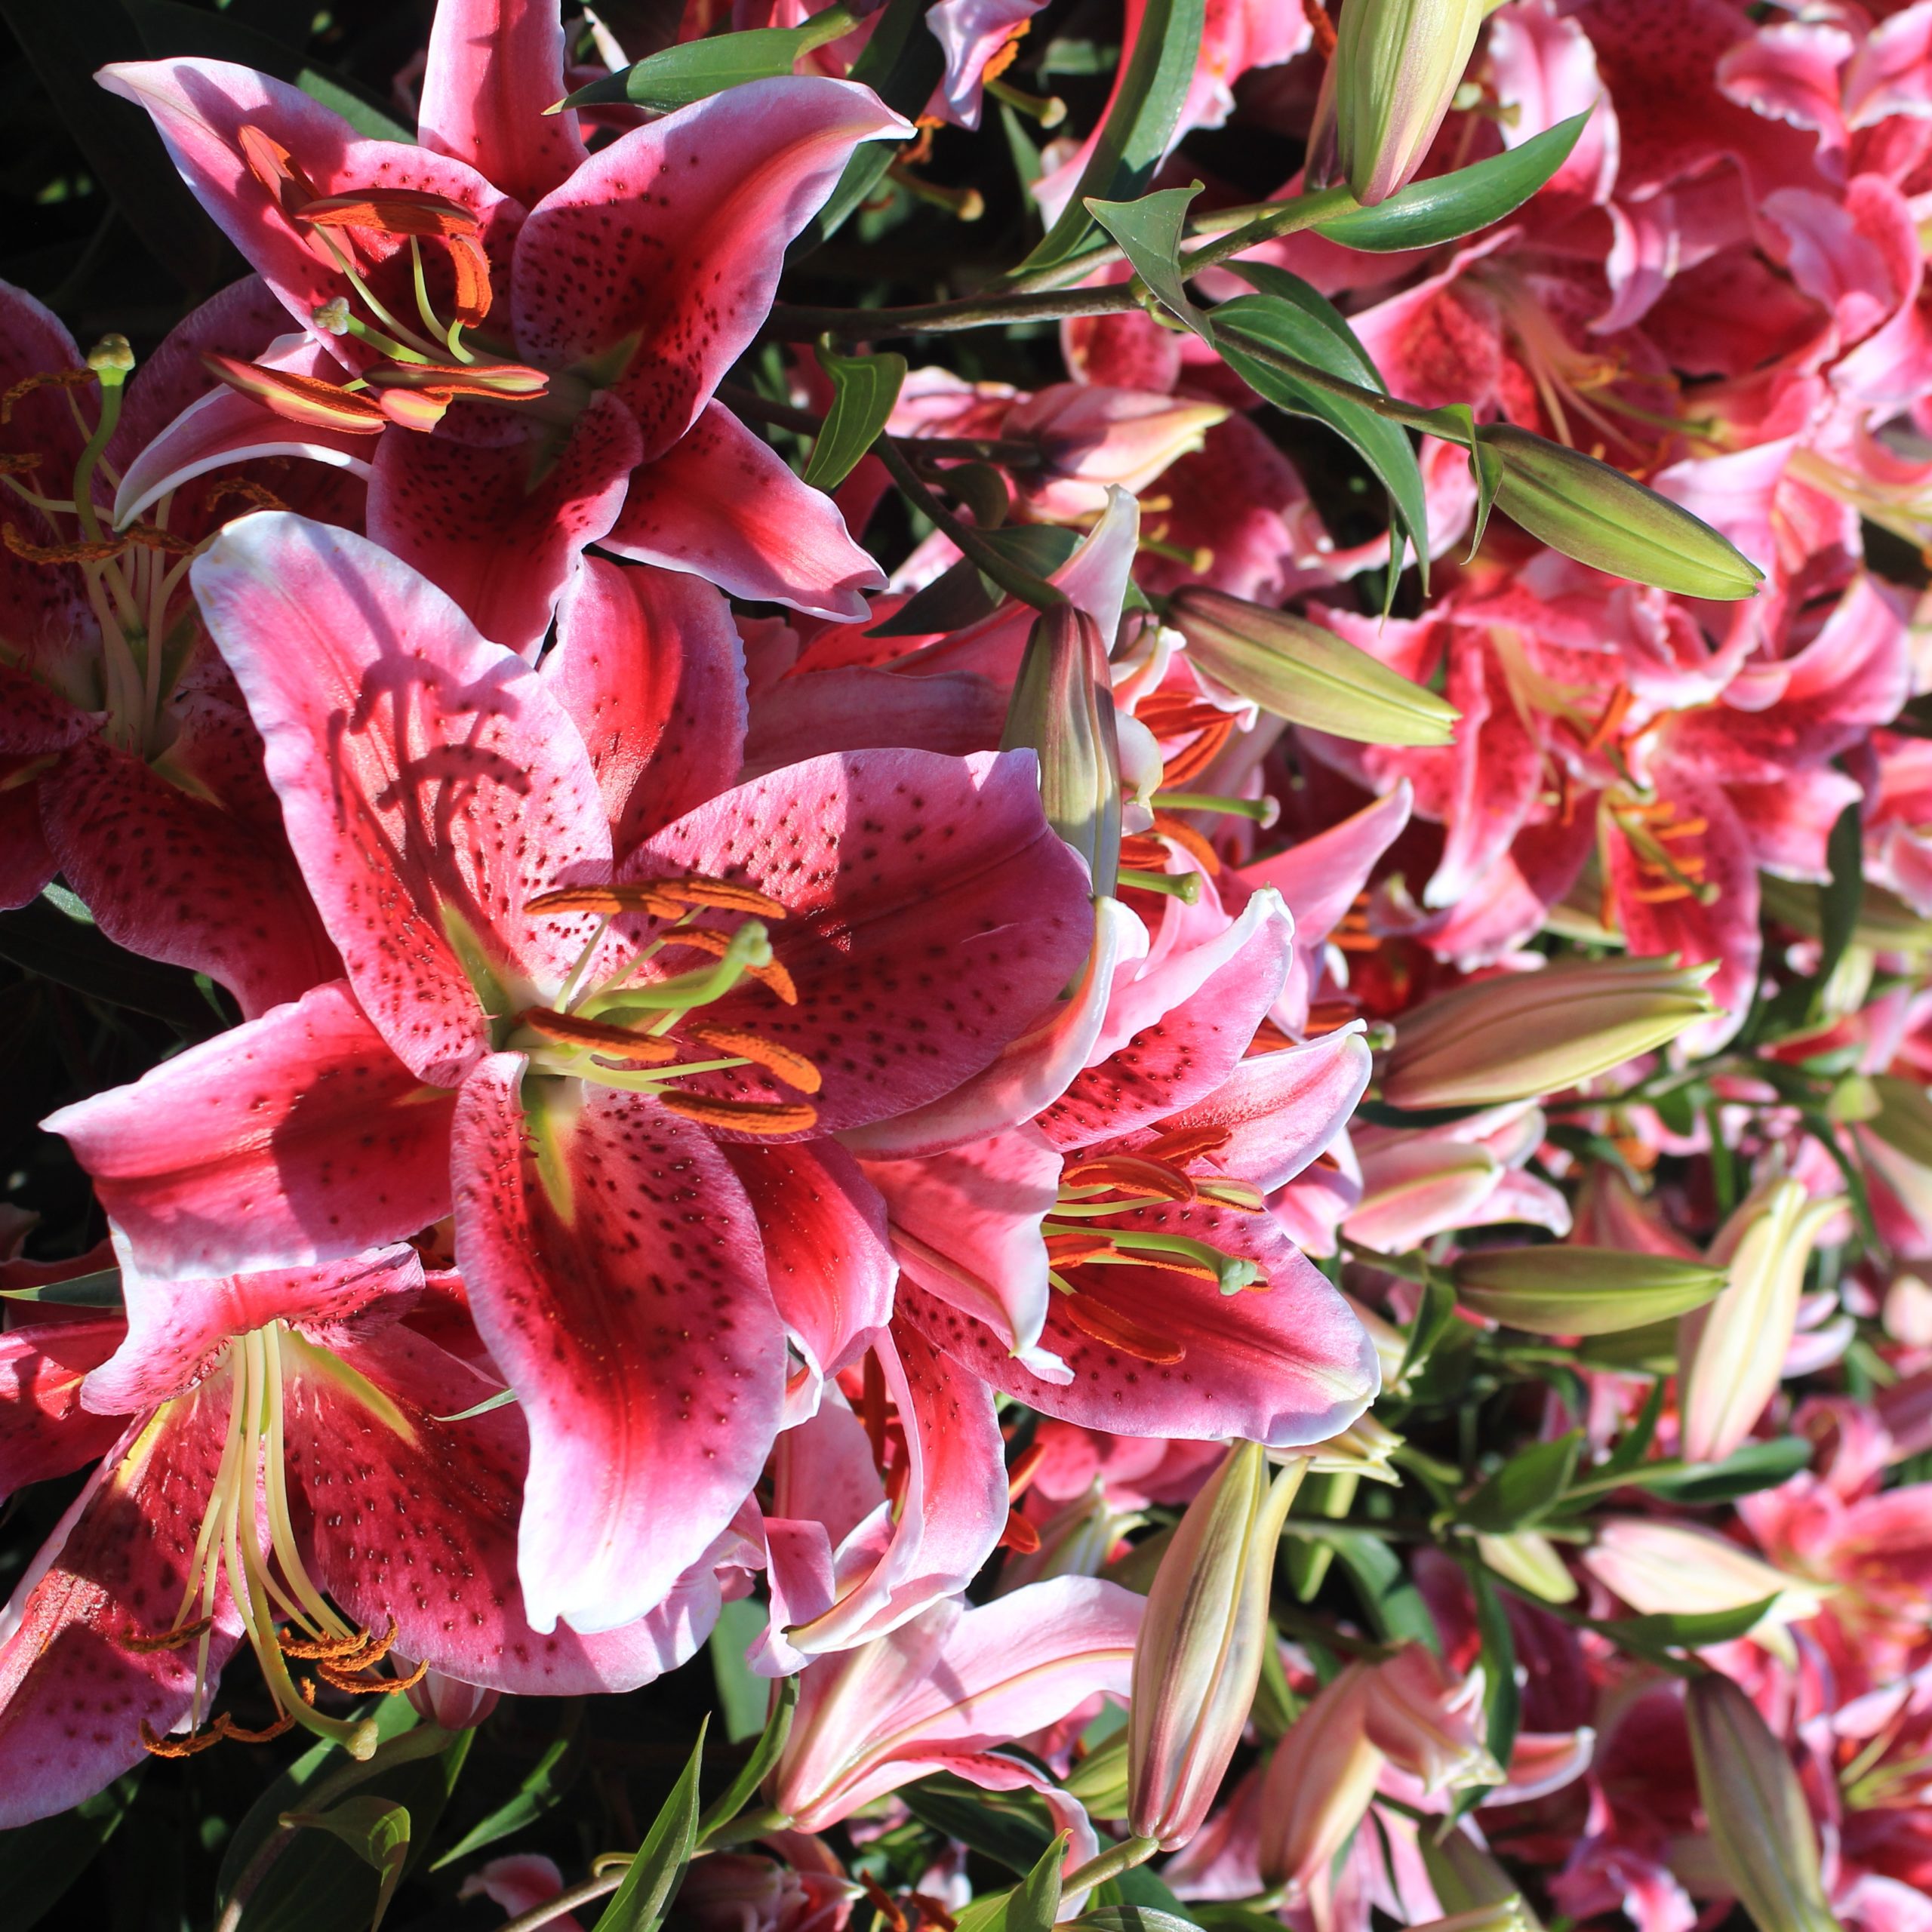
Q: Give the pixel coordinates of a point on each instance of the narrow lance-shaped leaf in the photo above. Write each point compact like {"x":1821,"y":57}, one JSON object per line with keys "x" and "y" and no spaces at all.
{"x":752,"y":1774}
{"x":375,"y":1829}
{"x":1139,"y":124}
{"x":864,"y":389}
{"x":543,"y":1786}
{"x":679,"y":75}
{"x":642,"y":1900}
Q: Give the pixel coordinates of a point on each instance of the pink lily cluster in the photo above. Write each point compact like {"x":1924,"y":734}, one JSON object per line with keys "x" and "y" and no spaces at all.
{"x":1197,"y":1173}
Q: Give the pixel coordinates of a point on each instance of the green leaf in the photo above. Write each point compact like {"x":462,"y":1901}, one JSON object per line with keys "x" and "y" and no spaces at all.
{"x":45,"y":941}
{"x":864,"y":388}
{"x":361,"y":114}
{"x":1011,"y":1828}
{"x":962,"y":596}
{"x":1141,"y":1887}
{"x":1635,"y":1443}
{"x":39,"y":1862}
{"x":65,"y":43}
{"x":376,"y":1829}
{"x":1140,"y":122}
{"x":1396,"y":1607}
{"x":1034,"y":1903}
{"x":752,"y":1774}
{"x":699,"y":68}
{"x":1142,"y":1918}
{"x":1756,"y":1465}
{"x":1434,"y":1314}
{"x":744,"y":1697}
{"x":1149,"y":232}
{"x":1293,"y":319}
{"x":1840,"y":897}
{"x":902,"y":63}
{"x":1683,"y":1630}
{"x":1426,"y":212}
{"x":641,"y":1901}
{"x":1526,"y":1488}
{"x":544,"y":1787}
{"x":100,"y":1290}
{"x":1503,"y":1699}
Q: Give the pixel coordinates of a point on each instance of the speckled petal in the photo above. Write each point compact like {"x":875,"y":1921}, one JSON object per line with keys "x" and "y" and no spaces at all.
{"x":425,"y":775}
{"x":44,"y":1430}
{"x":297,"y":1138}
{"x":633,"y":1319}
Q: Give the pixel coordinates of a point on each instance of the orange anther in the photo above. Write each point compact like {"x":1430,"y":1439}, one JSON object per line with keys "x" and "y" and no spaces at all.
{"x":1095,"y":1318}
{"x":740,"y":1116}
{"x":618,"y":1044}
{"x":305,"y":399}
{"x":792,"y":1067}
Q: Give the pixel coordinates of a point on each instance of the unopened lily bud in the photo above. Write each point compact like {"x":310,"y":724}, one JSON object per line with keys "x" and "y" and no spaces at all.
{"x":448,"y":1701}
{"x":1525,"y":1034}
{"x":1529,"y":1559}
{"x":1397,"y":64}
{"x":1730,"y":1354}
{"x":1610,"y":521}
{"x":1760,"y":1825}
{"x":1366,"y":1447}
{"x":1659,"y":1568}
{"x":1465,"y":1878}
{"x":1318,"y":1783}
{"x":1099,"y":1780}
{"x":1062,"y":707}
{"x":1429,"y":1722}
{"x":1198,"y":1660}
{"x":1565,"y":1290}
{"x":1305,"y":673}
{"x":1902,"y":1117}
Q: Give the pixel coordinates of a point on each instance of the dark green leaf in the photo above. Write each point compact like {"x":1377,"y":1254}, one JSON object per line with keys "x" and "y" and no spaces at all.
{"x":1011,"y":1828}
{"x":746,"y":1696}
{"x":1427,"y":212}
{"x":962,"y":596}
{"x":1683,"y":1630}
{"x":1394,"y":1605}
{"x":72,"y":953}
{"x":864,"y":388}
{"x":1839,"y":898}
{"x":1149,"y":232}
{"x":641,"y":1901}
{"x":101,"y":1290}
{"x":1293,"y":320}
{"x":1141,"y":1918}
{"x":1636,"y":1441}
{"x":752,"y":1774}
{"x":1756,"y":1466}
{"x":902,"y":63}
{"x":65,"y":43}
{"x":543,"y":1787}
{"x":1434,"y":1314}
{"x":1034,"y":1904}
{"x":361,"y":114}
{"x":1141,"y":120}
{"x":38,"y":1861}
{"x":376,"y":1829}
{"x":699,"y":68}
{"x":1503,"y":1699}
{"x":1142,"y":1887}
{"x":1526,"y":1488}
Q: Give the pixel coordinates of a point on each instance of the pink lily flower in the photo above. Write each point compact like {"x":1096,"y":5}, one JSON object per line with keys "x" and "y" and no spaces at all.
{"x":520,"y":1018}
{"x":289,"y":1463}
{"x":944,"y":1691}
{"x":589,"y":415}
{"x":126,"y":760}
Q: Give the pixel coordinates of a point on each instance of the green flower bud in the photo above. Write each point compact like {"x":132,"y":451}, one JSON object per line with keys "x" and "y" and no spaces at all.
{"x":1530,"y":1560}
{"x":1610,"y":521}
{"x":1903,"y":1120}
{"x":1198,"y":1660}
{"x":1465,"y":1878}
{"x":1062,"y":707}
{"x":1760,"y":1825}
{"x":1524,"y":1034}
{"x":1398,"y":65}
{"x":1304,"y":673}
{"x":1564,"y":1290}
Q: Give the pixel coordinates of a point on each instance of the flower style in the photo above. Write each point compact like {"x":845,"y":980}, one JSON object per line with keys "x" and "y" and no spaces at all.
{"x":288,"y":1462}
{"x":603,"y":296}
{"x":520,"y":1038}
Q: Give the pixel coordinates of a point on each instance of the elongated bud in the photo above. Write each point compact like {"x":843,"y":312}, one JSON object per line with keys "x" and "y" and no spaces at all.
{"x":1658,"y":1567}
{"x":1610,"y":521}
{"x":1198,"y":1660}
{"x":1304,"y":673}
{"x":1529,"y":1559}
{"x":1760,"y":1825}
{"x":1566,"y":1290}
{"x":1367,"y":1447}
{"x":1465,"y":1878}
{"x":1529,"y":1033}
{"x":1730,"y":1354}
{"x":1062,"y":707}
{"x":1902,"y":1118}
{"x":1318,"y":1783}
{"x":1398,"y":65}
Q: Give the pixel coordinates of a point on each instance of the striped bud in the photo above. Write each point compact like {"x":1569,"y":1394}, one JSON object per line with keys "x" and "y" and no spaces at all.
{"x":1760,"y":1825}
{"x":1398,"y":65}
{"x":1566,"y":1290}
{"x":1063,"y":709}
{"x":1607,"y":520}
{"x":1524,"y":1034}
{"x":1198,"y":1660}
{"x":1304,"y":673}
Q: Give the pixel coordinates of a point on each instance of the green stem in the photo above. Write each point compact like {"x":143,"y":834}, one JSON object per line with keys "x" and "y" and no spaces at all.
{"x":1009,"y":576}
{"x":792,"y":321}
{"x":551,"y":1910}
{"x":1409,"y":1267}
{"x":1111,"y":1863}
